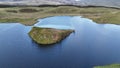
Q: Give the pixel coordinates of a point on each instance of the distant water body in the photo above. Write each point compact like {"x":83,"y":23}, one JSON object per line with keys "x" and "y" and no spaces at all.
{"x":107,"y":3}
{"x":91,"y":44}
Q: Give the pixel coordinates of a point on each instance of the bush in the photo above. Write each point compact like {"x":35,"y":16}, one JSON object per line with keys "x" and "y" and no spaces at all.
{"x":27,"y":10}
{"x":41,"y":9}
{"x":12,"y":11}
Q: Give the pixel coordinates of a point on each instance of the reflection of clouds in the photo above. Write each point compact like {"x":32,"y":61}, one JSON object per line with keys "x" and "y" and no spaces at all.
{"x":112,"y":28}
{"x":58,"y":22}
{"x":77,"y":0}
{"x":56,"y":26}
{"x":6,"y":26}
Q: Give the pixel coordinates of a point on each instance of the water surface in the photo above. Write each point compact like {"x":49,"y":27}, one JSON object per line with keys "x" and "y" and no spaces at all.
{"x":92,"y":44}
{"x":57,"y":22}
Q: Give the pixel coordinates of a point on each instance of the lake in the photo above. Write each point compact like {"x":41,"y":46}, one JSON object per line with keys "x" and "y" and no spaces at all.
{"x":91,"y":44}
{"x":110,"y":3}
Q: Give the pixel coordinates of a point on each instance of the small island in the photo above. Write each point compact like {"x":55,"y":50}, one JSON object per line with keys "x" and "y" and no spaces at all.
{"x":48,"y":35}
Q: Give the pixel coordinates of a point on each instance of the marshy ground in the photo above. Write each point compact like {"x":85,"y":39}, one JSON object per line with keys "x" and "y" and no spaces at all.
{"x":29,"y":15}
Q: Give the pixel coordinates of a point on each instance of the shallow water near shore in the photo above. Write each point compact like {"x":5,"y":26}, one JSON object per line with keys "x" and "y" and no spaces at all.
{"x":91,"y":44}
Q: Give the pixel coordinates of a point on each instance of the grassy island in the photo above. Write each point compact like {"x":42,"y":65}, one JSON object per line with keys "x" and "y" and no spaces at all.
{"x":109,"y":66}
{"x":48,"y":35}
{"x":29,"y":15}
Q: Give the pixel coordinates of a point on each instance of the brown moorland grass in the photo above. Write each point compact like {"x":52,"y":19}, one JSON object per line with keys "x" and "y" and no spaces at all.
{"x":29,"y":15}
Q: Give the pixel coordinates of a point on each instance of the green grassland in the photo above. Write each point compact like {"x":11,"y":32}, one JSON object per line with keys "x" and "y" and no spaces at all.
{"x":29,"y":15}
{"x":109,"y":66}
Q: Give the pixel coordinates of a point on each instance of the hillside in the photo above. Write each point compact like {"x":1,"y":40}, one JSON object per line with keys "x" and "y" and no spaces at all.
{"x":107,"y":3}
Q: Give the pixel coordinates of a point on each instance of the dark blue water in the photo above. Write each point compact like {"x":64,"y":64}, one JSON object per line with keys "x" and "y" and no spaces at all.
{"x":92,"y":44}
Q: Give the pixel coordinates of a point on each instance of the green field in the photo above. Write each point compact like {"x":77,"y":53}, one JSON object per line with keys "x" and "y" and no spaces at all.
{"x":29,"y":15}
{"x":109,"y":66}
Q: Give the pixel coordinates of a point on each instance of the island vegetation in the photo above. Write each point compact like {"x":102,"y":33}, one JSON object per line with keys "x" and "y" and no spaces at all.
{"x":29,"y":15}
{"x":48,"y":35}
{"x":109,"y":66}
